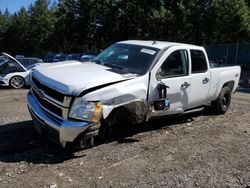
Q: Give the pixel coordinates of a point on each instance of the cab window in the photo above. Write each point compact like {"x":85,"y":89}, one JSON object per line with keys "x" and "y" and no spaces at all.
{"x":199,"y":63}
{"x":175,"y":65}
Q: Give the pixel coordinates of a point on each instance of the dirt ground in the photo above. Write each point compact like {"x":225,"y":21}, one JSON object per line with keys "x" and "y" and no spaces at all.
{"x":196,"y":150}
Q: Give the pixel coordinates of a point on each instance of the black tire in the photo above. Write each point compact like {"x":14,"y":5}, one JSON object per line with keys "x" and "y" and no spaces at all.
{"x":222,"y":103}
{"x":17,"y":82}
{"x":115,"y":124}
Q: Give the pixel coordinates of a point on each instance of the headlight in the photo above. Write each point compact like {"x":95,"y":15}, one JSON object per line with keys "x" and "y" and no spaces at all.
{"x":84,"y":110}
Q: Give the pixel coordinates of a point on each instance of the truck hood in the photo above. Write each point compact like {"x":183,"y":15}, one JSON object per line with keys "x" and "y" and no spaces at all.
{"x":73,"y":77}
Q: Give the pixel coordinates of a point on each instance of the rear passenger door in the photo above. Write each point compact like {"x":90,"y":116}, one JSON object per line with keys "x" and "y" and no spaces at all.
{"x":200,"y":78}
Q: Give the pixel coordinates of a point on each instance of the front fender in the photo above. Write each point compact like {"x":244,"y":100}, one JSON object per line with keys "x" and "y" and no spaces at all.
{"x":129,"y":93}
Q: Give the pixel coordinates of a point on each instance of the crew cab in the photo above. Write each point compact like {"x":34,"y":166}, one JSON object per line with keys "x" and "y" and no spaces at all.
{"x":128,"y":83}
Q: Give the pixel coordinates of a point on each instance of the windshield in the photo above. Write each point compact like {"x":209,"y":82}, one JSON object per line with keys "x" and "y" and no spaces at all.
{"x":127,"y":58}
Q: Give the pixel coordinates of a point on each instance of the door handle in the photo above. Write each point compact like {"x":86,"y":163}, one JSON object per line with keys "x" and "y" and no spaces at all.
{"x":205,"y":80}
{"x":186,"y":85}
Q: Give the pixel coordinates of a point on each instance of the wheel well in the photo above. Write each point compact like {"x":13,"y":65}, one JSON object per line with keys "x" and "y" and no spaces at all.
{"x":136,"y":112}
{"x":230,"y":84}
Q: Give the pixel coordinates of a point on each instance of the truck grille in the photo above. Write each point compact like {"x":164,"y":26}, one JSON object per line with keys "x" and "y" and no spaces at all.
{"x":52,"y":93}
{"x":51,"y":100}
{"x":47,"y":105}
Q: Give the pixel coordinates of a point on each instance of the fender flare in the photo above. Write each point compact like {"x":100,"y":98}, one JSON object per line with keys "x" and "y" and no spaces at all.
{"x":137,"y":110}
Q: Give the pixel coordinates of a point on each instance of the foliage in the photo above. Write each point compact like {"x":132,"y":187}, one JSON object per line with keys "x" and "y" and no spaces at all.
{"x":87,"y":25}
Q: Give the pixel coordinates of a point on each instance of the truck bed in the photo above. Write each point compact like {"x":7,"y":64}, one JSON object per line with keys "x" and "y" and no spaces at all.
{"x":221,"y":75}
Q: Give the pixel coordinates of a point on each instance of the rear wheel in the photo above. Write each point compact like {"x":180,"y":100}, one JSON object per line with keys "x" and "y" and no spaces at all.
{"x":17,"y":82}
{"x":222,"y":103}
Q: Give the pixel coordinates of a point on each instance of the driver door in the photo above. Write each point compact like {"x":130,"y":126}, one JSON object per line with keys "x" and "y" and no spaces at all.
{"x":173,"y":70}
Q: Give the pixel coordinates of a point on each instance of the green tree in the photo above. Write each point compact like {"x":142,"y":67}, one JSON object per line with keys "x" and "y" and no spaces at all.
{"x":66,"y":27}
{"x":82,"y":25}
{"x":18,"y":30}
{"x":231,"y":20}
{"x":3,"y":28}
{"x":42,"y":21}
{"x":5,"y":20}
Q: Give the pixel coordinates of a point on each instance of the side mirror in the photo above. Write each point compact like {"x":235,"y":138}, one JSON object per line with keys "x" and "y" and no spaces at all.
{"x":163,"y":103}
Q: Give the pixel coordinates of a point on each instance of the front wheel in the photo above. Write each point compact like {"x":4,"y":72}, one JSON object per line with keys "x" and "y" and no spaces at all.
{"x":115,"y":125}
{"x":17,"y":82}
{"x":222,"y":103}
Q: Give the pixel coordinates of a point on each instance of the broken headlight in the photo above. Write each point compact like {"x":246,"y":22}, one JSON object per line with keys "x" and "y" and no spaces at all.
{"x":84,"y":110}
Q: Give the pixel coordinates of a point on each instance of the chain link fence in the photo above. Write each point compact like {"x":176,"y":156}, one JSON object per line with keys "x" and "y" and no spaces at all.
{"x":232,"y":54}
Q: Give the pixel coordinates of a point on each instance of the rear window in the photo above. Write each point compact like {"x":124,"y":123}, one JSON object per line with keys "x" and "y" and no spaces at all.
{"x":199,"y":63}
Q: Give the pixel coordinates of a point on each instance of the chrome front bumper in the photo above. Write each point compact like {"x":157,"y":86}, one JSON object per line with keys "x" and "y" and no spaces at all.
{"x":58,"y":130}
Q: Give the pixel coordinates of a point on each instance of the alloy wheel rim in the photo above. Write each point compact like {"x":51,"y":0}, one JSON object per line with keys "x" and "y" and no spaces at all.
{"x":17,"y":82}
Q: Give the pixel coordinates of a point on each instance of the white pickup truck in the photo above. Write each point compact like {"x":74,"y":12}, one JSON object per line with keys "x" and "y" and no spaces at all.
{"x":128,"y":83}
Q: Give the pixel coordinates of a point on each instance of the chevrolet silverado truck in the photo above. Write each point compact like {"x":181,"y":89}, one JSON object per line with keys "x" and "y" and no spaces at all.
{"x":128,"y":83}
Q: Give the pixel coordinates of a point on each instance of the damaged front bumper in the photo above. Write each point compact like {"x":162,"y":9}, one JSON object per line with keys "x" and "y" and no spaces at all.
{"x":58,"y":130}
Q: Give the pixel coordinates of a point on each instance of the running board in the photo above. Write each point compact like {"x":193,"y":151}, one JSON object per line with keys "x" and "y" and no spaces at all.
{"x":193,"y":110}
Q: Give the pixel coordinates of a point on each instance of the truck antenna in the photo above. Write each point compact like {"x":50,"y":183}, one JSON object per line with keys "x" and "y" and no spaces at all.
{"x":154,"y":42}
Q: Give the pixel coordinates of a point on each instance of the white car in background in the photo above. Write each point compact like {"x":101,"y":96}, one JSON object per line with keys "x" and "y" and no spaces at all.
{"x":13,"y":73}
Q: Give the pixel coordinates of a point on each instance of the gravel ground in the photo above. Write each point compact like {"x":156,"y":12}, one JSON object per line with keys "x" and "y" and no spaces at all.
{"x":196,"y":150}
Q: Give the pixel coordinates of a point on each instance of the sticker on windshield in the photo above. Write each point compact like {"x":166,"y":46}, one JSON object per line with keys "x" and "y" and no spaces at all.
{"x":148,"y":51}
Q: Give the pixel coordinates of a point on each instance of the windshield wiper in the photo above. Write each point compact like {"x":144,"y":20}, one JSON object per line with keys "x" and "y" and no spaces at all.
{"x":97,"y":61}
{"x":120,"y":67}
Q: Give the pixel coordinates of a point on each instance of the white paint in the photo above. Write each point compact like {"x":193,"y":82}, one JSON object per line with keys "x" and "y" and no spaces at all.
{"x":74,"y":77}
